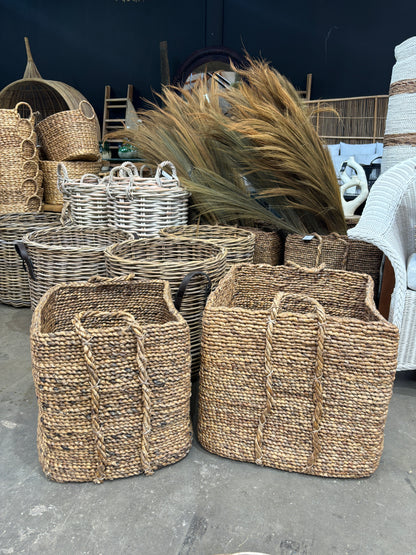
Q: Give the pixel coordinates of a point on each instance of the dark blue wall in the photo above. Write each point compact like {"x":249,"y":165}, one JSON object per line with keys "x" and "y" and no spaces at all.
{"x":347,"y":46}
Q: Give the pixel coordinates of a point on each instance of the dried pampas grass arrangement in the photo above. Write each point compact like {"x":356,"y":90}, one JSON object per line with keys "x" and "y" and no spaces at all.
{"x":261,"y":160}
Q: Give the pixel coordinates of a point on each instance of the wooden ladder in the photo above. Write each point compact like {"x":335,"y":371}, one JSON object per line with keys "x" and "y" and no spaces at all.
{"x":114,"y":115}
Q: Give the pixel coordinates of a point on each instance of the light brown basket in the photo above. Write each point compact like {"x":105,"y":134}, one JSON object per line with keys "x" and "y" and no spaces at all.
{"x":268,"y":245}
{"x":14,"y":284}
{"x":238,"y":242}
{"x":70,"y":134}
{"x":65,"y":254}
{"x":14,"y":128}
{"x":174,"y":259}
{"x":297,"y":370}
{"x":111,"y":368}
{"x":74,"y":172}
{"x":335,"y":251}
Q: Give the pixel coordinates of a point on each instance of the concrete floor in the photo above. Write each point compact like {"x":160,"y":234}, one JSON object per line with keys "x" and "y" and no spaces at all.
{"x":204,"y":504}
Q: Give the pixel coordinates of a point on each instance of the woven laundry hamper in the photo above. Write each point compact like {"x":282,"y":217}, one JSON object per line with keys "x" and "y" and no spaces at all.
{"x":73,"y":173}
{"x":400,"y":131}
{"x":238,"y":242}
{"x":192,"y":268}
{"x":14,"y":284}
{"x":68,"y":253}
{"x":146,"y":205}
{"x":335,"y":251}
{"x":297,"y":370}
{"x":70,"y":134}
{"x":111,"y":367}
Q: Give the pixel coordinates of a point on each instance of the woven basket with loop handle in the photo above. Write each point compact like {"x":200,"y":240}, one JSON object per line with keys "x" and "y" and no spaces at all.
{"x":337,"y":252}
{"x":111,"y":368}
{"x":70,"y":134}
{"x":297,"y":370}
{"x":72,"y":175}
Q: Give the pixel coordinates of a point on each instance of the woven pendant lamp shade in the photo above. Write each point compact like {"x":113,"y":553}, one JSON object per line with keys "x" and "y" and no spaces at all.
{"x":400,"y":132}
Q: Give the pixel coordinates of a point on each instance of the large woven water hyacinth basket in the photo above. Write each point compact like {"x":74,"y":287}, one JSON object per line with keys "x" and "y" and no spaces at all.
{"x":335,"y":251}
{"x":68,"y":253}
{"x":14,"y":283}
{"x":400,"y":131}
{"x":297,"y":370}
{"x":111,"y":368}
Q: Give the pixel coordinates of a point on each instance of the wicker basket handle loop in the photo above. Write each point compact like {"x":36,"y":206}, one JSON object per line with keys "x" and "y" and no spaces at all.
{"x":159,"y":172}
{"x":185,"y":282}
{"x":109,"y":280}
{"x":32,"y":147}
{"x":26,"y":106}
{"x":95,"y":180}
{"x":27,"y":261}
{"x":85,"y":337}
{"x":131,"y":167}
{"x":315,"y":307}
{"x":143,"y":167}
{"x":86,"y":110}
{"x":346,"y":243}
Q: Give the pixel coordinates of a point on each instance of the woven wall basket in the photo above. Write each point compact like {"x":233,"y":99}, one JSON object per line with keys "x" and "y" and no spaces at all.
{"x":65,"y":254}
{"x":335,"y":251}
{"x":238,"y":242}
{"x":74,"y":172}
{"x":70,"y":134}
{"x":297,"y":370}
{"x":192,"y":268}
{"x":400,"y":131}
{"x":14,"y":284}
{"x":111,"y":368}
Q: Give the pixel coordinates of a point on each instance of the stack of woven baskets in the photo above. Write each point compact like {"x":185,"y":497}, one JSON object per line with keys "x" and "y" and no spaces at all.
{"x":20,"y":178}
{"x":69,"y":136}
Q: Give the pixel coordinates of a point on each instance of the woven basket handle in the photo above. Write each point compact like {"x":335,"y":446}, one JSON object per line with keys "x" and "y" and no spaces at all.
{"x":276,"y":308}
{"x":143,"y":167}
{"x":110,"y":280}
{"x":85,"y":105}
{"x":184,"y":284}
{"x":92,"y":177}
{"x":16,"y":108}
{"x":27,"y":261}
{"x":85,"y":337}
{"x":336,"y":237}
{"x":131,"y":167}
{"x":159,"y":172}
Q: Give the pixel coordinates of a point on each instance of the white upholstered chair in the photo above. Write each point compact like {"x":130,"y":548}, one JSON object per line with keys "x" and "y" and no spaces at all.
{"x":388,"y":221}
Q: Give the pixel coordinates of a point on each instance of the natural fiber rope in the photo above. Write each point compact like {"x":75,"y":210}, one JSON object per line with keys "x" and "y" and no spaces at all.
{"x":317,"y":395}
{"x":406,"y":86}
{"x":85,"y":337}
{"x":401,"y":139}
{"x":338,"y":237}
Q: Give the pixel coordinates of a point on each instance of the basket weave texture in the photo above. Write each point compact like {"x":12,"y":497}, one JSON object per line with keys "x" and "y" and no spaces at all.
{"x":20,"y":178}
{"x":238,"y":242}
{"x":268,"y":246}
{"x":14,"y":284}
{"x":68,"y":253}
{"x":297,"y":369}
{"x":337,"y":252}
{"x":70,"y":134}
{"x":172,"y":259}
{"x":111,"y":368}
{"x":75,"y":171}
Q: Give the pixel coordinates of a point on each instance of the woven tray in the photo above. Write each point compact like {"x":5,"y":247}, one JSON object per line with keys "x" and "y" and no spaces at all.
{"x":111,"y":368}
{"x":297,"y":370}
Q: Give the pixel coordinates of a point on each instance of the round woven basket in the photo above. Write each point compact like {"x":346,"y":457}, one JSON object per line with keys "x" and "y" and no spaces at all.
{"x":68,"y":253}
{"x":14,"y":128}
{"x":14,"y":284}
{"x":75,"y":170}
{"x":173,"y":259}
{"x":238,"y":242}
{"x":70,"y":135}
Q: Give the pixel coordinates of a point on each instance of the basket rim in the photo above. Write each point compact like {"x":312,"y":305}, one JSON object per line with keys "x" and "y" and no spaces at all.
{"x":230,"y":232}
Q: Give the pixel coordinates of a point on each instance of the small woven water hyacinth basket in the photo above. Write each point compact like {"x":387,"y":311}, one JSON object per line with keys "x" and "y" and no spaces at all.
{"x":238,"y":242}
{"x":268,"y":245}
{"x":297,"y":370}
{"x":70,"y":134}
{"x":335,"y":251}
{"x":111,"y":368}
{"x":74,"y":172}
{"x":192,"y":268}
{"x":14,"y":283}
{"x":68,"y":253}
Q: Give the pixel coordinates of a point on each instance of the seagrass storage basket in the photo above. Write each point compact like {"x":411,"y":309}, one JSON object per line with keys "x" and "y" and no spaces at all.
{"x":192,"y":268}
{"x":335,"y":251}
{"x":70,"y":134}
{"x":238,"y":242}
{"x":146,"y":205}
{"x":68,"y":253}
{"x":268,"y":245}
{"x":74,"y":172}
{"x":14,"y":284}
{"x":111,"y":368}
{"x":297,"y":370}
